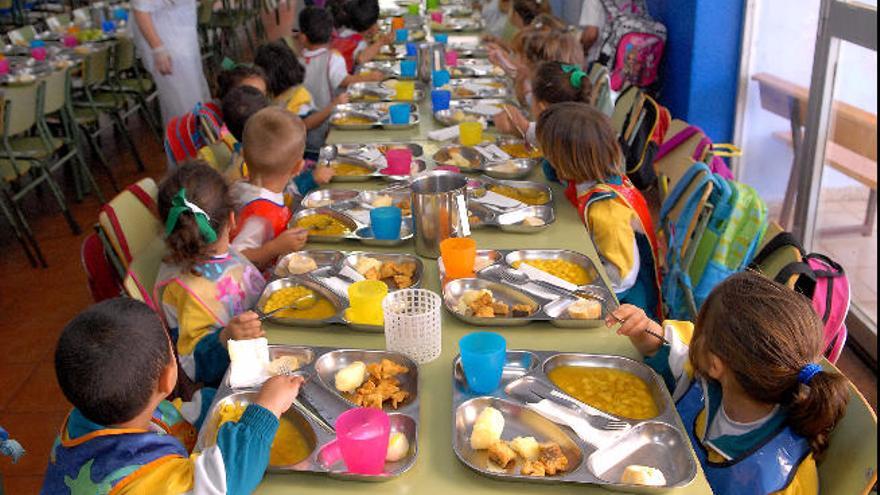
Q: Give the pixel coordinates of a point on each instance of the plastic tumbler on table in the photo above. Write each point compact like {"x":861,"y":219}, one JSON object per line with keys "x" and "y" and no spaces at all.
{"x":482,"y":358}
{"x":441,"y":38}
{"x":405,"y":91}
{"x":4,"y":66}
{"x":365,"y":302}
{"x":397,"y":23}
{"x":412,"y":49}
{"x":408,"y":69}
{"x":470,"y":133}
{"x":108,"y":27}
{"x":440,"y":99}
{"x":458,"y":254}
{"x":413,"y":9}
{"x":432,"y":4}
{"x":437,"y":17}
{"x":399,"y":161}
{"x":361,"y":441}
{"x":412,"y":324}
{"x":401,"y":35}
{"x":385,"y":222}
{"x":451,"y":58}
{"x":399,"y":113}
{"x":440,"y":78}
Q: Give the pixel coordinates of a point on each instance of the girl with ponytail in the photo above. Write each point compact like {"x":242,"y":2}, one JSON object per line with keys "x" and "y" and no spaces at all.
{"x":757,"y":406}
{"x":204,"y":289}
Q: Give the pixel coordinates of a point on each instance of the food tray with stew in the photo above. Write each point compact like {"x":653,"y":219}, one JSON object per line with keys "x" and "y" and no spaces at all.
{"x":361,"y":168}
{"x":362,"y":116}
{"x":452,"y":24}
{"x":474,"y":110}
{"x":382,"y":91}
{"x":336,"y":380}
{"x":517,"y":287}
{"x":634,"y":439}
{"x":468,"y":49}
{"x":475,"y":67}
{"x":351,"y":201}
{"x":478,"y":88}
{"x":329,"y":225}
{"x":390,"y":68}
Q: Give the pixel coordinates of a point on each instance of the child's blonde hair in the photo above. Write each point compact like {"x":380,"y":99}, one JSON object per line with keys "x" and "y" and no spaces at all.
{"x":579,"y":142}
{"x":536,"y":44}
{"x":767,"y":334}
{"x":273,"y":141}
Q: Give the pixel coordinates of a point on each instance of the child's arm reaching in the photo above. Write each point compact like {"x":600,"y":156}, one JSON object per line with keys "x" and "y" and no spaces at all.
{"x":363,"y":77}
{"x":636,"y":325}
{"x":288,"y":241}
{"x":315,"y":119}
{"x":370,"y":52}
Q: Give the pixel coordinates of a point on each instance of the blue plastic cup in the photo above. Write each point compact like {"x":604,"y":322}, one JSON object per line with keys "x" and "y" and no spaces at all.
{"x":408,"y":69}
{"x":440,"y":78}
{"x":108,"y":27}
{"x":483,"y":355}
{"x":385,"y":222}
{"x":440,"y":99}
{"x":400,"y":113}
{"x":441,"y":38}
{"x":401,"y":35}
{"x":412,"y":49}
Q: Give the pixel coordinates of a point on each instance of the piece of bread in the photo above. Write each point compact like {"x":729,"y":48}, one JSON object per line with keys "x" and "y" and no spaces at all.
{"x":534,"y":222}
{"x":365,"y":264}
{"x":382,"y":200}
{"x":526,"y":447}
{"x":298,"y":264}
{"x":487,"y":428}
{"x":635,"y":474}
{"x":585,"y":309}
{"x":501,"y":454}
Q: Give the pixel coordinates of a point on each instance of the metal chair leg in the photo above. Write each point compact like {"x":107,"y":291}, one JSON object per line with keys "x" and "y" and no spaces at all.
{"x":32,"y":252}
{"x":120,"y":126}
{"x":59,"y":197}
{"x":96,"y":150}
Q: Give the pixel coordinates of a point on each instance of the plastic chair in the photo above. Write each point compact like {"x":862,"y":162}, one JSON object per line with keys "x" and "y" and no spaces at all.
{"x":26,"y":157}
{"x":141,"y":276}
{"x":130,"y":221}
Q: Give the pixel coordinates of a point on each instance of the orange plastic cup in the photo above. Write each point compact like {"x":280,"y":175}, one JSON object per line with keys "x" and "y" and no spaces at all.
{"x":397,"y":23}
{"x":458,"y":254}
{"x":365,"y":302}
{"x":470,"y":133}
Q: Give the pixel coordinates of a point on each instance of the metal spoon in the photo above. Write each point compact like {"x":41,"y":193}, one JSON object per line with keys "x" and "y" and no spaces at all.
{"x":301,"y":303}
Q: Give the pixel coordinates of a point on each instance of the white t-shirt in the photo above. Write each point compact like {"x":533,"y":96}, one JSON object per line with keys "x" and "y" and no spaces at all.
{"x":337,"y":70}
{"x":593,"y":14}
{"x":256,"y":231}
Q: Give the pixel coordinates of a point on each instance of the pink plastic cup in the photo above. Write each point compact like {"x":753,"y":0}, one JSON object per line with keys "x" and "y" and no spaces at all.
{"x":451,"y":58}
{"x":4,"y":67}
{"x":448,"y":168}
{"x":437,"y":17}
{"x":361,"y":441}
{"x":69,"y":41}
{"x":399,"y":161}
{"x":39,"y":53}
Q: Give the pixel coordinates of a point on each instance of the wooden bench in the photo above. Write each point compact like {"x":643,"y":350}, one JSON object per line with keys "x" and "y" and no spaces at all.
{"x":851,"y":148}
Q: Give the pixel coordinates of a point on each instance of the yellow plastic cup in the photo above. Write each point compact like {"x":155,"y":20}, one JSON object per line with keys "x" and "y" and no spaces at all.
{"x":470,"y":133}
{"x":405,"y":91}
{"x":365,"y":302}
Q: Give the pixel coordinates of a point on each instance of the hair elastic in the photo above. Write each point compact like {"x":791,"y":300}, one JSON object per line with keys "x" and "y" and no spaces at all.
{"x":807,"y":373}
{"x":180,"y":204}
{"x":577,"y":75}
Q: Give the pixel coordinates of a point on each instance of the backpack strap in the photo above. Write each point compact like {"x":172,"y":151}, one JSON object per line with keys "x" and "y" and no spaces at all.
{"x":611,"y":8}
{"x":676,"y":140}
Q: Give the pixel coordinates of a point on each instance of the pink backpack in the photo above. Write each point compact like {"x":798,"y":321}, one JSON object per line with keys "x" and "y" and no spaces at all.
{"x":632,"y":46}
{"x":819,"y":278}
{"x":704,"y":152}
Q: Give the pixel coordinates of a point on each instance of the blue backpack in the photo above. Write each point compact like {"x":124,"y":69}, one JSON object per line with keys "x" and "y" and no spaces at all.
{"x":713,"y":227}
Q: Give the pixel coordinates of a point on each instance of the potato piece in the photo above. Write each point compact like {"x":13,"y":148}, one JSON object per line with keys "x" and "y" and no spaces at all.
{"x":526,"y":447}
{"x":487,"y":428}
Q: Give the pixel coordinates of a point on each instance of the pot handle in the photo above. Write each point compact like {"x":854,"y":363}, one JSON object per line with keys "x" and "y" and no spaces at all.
{"x":463,"y":215}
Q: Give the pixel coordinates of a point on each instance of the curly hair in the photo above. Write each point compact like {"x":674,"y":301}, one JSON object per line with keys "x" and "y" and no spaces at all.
{"x":282,"y":68}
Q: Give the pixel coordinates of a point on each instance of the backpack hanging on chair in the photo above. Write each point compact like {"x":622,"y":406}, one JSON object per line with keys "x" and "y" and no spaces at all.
{"x":602,"y":96}
{"x":632,"y":46}
{"x":641,"y":124}
{"x":684,"y":145}
{"x":817,"y":277}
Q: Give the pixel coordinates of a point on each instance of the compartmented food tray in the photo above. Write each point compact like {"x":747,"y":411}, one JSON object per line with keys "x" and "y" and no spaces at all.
{"x":346,"y":199}
{"x":319,"y":397}
{"x":390,"y":68}
{"x":659,"y":442}
{"x":363,"y":116}
{"x":478,"y":88}
{"x":452,"y":24}
{"x":475,"y":67}
{"x":464,"y":110}
{"x":348,"y":228}
{"x":536,"y":299}
{"x":351,"y":168}
{"x":382,"y":91}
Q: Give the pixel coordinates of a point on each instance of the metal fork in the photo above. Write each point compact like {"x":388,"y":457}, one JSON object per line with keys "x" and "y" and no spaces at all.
{"x":599,"y":422}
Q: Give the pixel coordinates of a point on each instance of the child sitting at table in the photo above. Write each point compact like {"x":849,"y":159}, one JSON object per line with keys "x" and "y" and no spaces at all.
{"x":286,"y":75}
{"x":273,"y":144}
{"x":758,"y":408}
{"x":204,"y":289}
{"x":114,"y":363}
{"x":582,"y":148}
{"x":241,"y":75}
{"x":359,"y":39}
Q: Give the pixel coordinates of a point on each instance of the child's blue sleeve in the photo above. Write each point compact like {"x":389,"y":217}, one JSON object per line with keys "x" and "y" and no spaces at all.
{"x":245,"y":446}
{"x":549,"y":173}
{"x":211,"y":359}
{"x":305,"y":182}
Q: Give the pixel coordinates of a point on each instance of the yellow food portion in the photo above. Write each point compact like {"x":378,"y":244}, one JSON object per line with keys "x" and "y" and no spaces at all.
{"x":322,"y":309}
{"x":614,"y":391}
{"x":349,"y":169}
{"x":531,"y":197}
{"x":290,"y":445}
{"x":320,"y":224}
{"x":566,"y":270}
{"x":518,"y":150}
{"x":352,"y":120}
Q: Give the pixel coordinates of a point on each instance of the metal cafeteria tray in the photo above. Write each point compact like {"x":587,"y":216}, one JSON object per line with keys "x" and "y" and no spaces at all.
{"x":660,"y":442}
{"x":479,"y":88}
{"x":475,"y":67}
{"x":452,"y":24}
{"x":391,"y":68}
{"x":482,"y":183}
{"x":341,"y":264}
{"x":381,"y":91}
{"x":374,"y":115}
{"x":494,"y":271}
{"x":458,"y":11}
{"x":512,"y":169}
{"x":469,"y":50}
{"x":443,"y":156}
{"x":347,"y":199}
{"x":451,"y":116}
{"x":318,"y":395}
{"x":376,"y":169}
{"x":357,"y":230}
{"x":332,"y":284}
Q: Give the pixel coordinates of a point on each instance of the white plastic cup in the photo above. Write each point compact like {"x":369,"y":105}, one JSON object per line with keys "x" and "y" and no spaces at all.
{"x":412,"y":324}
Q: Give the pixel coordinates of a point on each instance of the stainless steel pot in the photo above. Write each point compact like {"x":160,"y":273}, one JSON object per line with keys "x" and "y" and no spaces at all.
{"x":439,"y":207}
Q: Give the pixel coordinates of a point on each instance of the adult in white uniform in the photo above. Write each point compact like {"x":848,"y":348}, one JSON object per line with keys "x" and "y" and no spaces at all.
{"x":592,"y":22}
{"x":166,"y":34}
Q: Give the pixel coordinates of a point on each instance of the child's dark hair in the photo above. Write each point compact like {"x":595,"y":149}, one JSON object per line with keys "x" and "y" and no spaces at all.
{"x":316,"y":24}
{"x":765,"y":334}
{"x":528,"y":10}
{"x":239,"y":105}
{"x":579,"y":142}
{"x":362,"y":14}
{"x":208,"y":190}
{"x":339,"y":10}
{"x":227,"y":80}
{"x":109,"y":380}
{"x":555,"y":82}
{"x":282,"y":68}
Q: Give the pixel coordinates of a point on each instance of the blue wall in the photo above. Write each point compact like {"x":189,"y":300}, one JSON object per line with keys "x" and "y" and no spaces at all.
{"x":701,"y":61}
